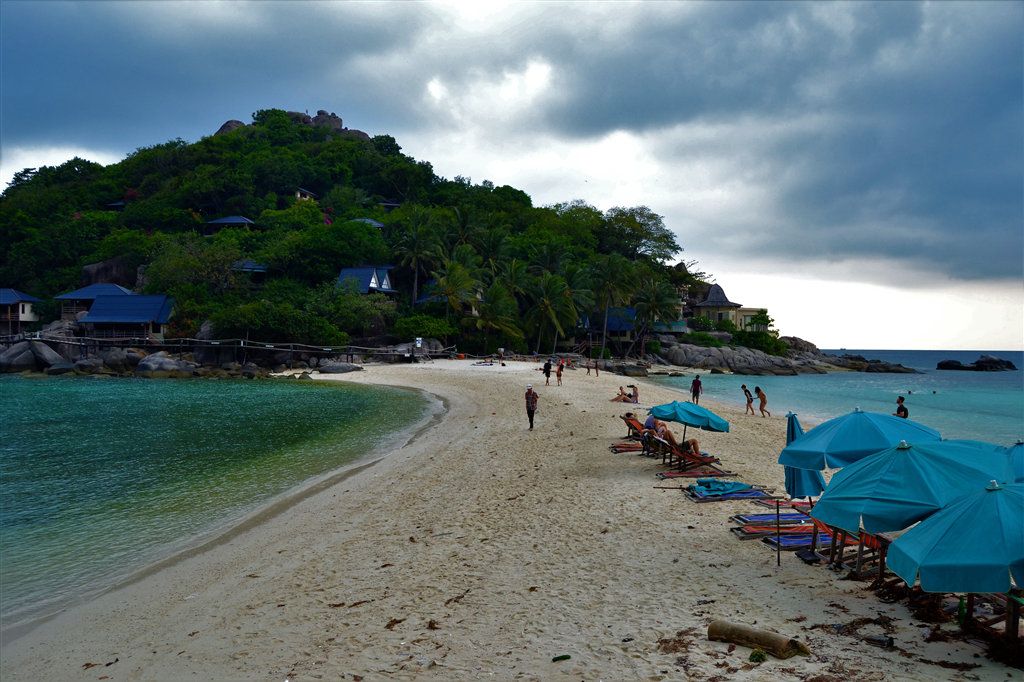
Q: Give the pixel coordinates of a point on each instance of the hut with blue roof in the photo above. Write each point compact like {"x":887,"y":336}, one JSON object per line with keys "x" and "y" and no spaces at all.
{"x":16,"y":308}
{"x":368,"y":279}
{"x":212,"y":227}
{"x":80,"y":300}
{"x":128,"y":317}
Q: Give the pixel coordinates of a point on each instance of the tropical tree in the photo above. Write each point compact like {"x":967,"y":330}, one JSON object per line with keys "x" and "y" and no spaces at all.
{"x":639,"y":231}
{"x":492,"y":246}
{"x":418,"y":248}
{"x":578,"y":293}
{"x":612,"y":278}
{"x":550,"y":304}
{"x":654,"y":300}
{"x":515,"y":278}
{"x":547,"y":258}
{"x":455,"y":285}
{"x":497,"y":310}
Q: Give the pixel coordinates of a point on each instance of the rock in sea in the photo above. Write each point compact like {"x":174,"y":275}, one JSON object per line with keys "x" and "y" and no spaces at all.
{"x":339,"y":368}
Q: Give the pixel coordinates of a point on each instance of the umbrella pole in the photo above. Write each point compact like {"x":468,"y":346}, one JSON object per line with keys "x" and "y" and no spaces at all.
{"x":778,"y":536}
{"x":684,"y":433}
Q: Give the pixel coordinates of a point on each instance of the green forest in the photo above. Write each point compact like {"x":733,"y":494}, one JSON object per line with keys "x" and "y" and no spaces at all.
{"x":501,"y":271}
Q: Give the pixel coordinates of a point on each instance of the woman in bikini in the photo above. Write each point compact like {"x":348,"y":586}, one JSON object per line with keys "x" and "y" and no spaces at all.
{"x":750,"y":400}
{"x":764,"y":400}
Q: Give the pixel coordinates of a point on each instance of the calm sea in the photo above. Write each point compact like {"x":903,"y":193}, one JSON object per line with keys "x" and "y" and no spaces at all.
{"x":99,"y":478}
{"x":986,"y":406}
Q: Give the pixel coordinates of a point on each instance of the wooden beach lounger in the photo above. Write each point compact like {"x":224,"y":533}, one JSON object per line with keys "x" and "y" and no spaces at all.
{"x":636,"y":429}
{"x":686,"y":461}
{"x":795,"y":505}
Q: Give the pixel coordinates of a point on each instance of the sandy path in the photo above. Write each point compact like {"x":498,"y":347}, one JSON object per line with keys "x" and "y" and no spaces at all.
{"x":482,"y":550}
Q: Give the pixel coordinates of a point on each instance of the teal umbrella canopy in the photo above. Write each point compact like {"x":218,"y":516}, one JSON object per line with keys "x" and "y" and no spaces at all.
{"x":800,"y":482}
{"x":690,"y":415}
{"x":1016,"y":454}
{"x":974,"y":544}
{"x":842,"y":441}
{"x":896,"y":488}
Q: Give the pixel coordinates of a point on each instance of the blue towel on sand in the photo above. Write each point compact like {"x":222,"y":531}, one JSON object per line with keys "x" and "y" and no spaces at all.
{"x":710,"y":487}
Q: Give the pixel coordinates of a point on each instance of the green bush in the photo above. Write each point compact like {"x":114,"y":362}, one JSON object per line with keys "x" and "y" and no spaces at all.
{"x":701,"y":324}
{"x":763,"y":341}
{"x":424,"y":326}
{"x":596,"y":351}
{"x":654,"y":347}
{"x":725,"y":326}
{"x":700,"y":339}
{"x":275,"y":323}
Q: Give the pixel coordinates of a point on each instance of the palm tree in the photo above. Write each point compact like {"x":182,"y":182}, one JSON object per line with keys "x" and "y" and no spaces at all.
{"x":418,"y":248}
{"x":492,"y":245}
{"x":515,"y":278}
{"x":654,"y":300}
{"x":548,"y":258}
{"x":464,"y":226}
{"x":498,"y":310}
{"x":578,"y":293}
{"x":611,"y":277}
{"x":550,"y":304}
{"x":455,"y":285}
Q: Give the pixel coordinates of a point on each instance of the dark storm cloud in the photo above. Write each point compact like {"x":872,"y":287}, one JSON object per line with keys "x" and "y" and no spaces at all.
{"x":876,"y":129}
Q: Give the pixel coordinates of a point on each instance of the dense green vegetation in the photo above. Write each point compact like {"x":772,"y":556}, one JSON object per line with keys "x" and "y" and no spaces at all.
{"x":530,"y":274}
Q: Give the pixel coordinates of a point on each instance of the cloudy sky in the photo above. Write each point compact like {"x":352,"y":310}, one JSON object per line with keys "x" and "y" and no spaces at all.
{"x":856,"y":168}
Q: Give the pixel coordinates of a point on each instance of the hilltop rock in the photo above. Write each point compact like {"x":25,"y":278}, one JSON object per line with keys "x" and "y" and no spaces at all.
{"x":986,"y":363}
{"x":229,"y":126}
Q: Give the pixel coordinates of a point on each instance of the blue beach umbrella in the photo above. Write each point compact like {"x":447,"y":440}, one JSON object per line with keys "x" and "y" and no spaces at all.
{"x":800,"y":482}
{"x":1016,"y":453}
{"x":896,"y":488}
{"x":974,"y":544}
{"x":689,"y":414}
{"x":842,"y":441}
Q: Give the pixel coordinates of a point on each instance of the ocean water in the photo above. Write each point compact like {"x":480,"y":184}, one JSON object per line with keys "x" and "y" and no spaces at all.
{"x":99,"y":478}
{"x":986,"y":406}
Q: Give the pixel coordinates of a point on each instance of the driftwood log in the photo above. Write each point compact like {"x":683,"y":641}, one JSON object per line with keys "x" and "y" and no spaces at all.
{"x":773,"y":643}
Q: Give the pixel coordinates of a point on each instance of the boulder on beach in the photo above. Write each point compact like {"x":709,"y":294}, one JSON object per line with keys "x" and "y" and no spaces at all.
{"x":338,"y":368}
{"x":18,"y":358}
{"x":45,"y":356}
{"x":160,"y":366}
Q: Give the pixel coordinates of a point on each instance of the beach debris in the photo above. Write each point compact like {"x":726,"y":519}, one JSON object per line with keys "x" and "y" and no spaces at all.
{"x":773,"y":643}
{"x":360,"y":603}
{"x":90,"y":665}
{"x":456,"y":599}
{"x":882,"y":641}
{"x":678,"y":644}
{"x":251,"y":575}
{"x":191,"y":596}
{"x":563,"y":657}
{"x":758,"y":656}
{"x":336,"y":606}
{"x":387,"y":565}
{"x":393,"y":622}
{"x":191,"y":634}
{"x":433,"y":625}
{"x":627,"y":639}
{"x":950,"y":665}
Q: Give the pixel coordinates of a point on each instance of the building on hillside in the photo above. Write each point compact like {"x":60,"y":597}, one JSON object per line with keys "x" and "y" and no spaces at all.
{"x":212,"y":227}
{"x":717,"y":307}
{"x":369,"y":279}
{"x":16,"y":309}
{"x":128,"y":317}
{"x":257,"y":272}
{"x":371,"y":222}
{"x":306,"y":195}
{"x":80,"y":300}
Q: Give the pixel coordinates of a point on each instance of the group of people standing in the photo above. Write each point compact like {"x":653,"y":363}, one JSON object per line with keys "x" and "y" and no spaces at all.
{"x":750,"y":401}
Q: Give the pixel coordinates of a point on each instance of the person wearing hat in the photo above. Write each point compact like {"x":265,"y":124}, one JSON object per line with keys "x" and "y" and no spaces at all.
{"x":531,"y":403}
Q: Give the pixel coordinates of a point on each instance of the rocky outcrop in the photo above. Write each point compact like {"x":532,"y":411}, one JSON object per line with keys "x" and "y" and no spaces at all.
{"x":339,"y":368}
{"x":986,"y":363}
{"x":161,"y":366}
{"x":18,"y":358}
{"x":113,"y":271}
{"x":322,"y":119}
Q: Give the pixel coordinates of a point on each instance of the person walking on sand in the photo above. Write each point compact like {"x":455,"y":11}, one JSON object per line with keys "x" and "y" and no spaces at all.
{"x":696,"y":388}
{"x":764,"y":400}
{"x":901,"y":409}
{"x":531,"y":403}
{"x":588,"y":367}
{"x":750,"y":401}
{"x":547,"y":372}
{"x":558,"y":373}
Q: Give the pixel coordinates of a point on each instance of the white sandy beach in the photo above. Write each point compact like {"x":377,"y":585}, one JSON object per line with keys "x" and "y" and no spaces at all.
{"x":482,"y":550}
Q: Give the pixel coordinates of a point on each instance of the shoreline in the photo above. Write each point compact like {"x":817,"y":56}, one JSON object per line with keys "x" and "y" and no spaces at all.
{"x":230,"y":527}
{"x":481,"y":549}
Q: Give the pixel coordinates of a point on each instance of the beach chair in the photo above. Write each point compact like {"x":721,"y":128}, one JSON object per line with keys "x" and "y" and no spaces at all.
{"x":792,"y":543}
{"x":793,"y":505}
{"x":769,"y":519}
{"x":636,"y":429}
{"x":752,"y":494}
{"x":686,"y":461}
{"x":758,"y":532}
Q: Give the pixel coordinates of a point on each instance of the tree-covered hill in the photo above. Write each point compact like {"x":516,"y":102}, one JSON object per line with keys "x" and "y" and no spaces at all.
{"x":528,"y":272}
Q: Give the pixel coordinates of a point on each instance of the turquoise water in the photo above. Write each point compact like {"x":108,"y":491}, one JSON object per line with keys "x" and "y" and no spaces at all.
{"x":986,"y":406}
{"x":100,"y":477}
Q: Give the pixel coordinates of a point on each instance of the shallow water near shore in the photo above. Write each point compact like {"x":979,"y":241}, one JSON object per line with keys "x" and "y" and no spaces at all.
{"x":985,"y":406}
{"x":99,"y":478}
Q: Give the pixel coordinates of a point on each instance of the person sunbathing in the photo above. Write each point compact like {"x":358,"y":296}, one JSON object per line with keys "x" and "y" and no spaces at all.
{"x":622,"y":397}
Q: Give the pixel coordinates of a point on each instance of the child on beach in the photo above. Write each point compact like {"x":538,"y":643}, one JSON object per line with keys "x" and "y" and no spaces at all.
{"x":750,"y":401}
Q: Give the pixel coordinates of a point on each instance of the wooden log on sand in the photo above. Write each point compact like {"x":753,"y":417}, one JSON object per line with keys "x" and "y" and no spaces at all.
{"x":773,"y":643}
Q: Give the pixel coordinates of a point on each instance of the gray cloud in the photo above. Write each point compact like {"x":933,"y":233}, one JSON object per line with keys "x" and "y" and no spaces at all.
{"x":872,"y":129}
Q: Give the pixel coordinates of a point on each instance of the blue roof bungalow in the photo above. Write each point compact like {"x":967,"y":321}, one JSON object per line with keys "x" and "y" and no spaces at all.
{"x":128,"y":317}
{"x":212,"y":227}
{"x":16,"y":308}
{"x":369,"y":279}
{"x":80,"y":300}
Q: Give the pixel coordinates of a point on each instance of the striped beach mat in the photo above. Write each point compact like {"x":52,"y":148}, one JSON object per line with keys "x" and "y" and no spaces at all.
{"x":790,"y":543}
{"x":754,"y":494}
{"x":769,"y":519}
{"x":785,"y":504}
{"x":758,"y":532}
